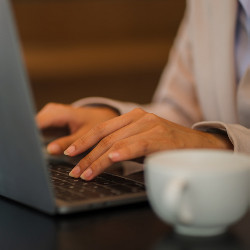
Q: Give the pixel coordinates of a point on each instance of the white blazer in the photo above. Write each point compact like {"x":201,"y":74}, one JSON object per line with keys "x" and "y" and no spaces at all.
{"x":198,"y":86}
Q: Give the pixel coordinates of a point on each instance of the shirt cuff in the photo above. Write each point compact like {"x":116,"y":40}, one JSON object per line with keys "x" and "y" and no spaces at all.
{"x":237,"y":134}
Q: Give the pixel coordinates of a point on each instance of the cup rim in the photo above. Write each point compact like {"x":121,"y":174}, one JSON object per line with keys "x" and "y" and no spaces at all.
{"x":153,"y":161}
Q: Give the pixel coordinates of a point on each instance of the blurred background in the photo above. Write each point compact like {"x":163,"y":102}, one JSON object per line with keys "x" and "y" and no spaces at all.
{"x":109,"y":48}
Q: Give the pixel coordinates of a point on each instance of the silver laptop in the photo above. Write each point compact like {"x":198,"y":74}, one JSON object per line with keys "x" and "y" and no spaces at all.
{"x":26,"y":175}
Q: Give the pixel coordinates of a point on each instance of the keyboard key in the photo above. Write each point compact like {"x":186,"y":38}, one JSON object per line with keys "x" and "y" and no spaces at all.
{"x":104,"y":185}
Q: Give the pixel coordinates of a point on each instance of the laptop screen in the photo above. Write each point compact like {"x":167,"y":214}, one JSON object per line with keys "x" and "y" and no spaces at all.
{"x":23,"y":173}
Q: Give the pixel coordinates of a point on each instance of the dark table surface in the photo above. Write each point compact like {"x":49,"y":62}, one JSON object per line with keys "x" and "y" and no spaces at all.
{"x":126,"y":227}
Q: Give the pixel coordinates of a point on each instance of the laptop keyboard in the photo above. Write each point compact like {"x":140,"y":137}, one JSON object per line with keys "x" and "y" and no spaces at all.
{"x":105,"y":185}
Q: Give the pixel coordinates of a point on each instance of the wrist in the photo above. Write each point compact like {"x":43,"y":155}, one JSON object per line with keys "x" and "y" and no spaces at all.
{"x":221,"y":139}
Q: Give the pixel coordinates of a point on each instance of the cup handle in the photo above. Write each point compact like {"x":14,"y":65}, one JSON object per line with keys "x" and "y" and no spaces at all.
{"x":173,"y":200}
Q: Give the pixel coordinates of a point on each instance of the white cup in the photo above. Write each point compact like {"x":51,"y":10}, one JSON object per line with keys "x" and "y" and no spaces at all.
{"x":199,"y":192}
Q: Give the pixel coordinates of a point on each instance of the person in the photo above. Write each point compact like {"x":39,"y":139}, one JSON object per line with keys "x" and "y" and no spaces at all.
{"x":202,"y":101}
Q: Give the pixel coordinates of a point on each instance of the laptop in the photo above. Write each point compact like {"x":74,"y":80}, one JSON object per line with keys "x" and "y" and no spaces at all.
{"x":26,"y":174}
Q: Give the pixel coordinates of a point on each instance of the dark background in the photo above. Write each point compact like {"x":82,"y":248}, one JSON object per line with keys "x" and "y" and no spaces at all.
{"x":110,"y":48}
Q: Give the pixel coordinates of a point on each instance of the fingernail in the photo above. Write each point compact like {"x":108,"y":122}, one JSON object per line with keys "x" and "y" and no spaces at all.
{"x":114,"y":156}
{"x":70,"y":150}
{"x":75,"y":172}
{"x":86,"y":174}
{"x":54,"y":148}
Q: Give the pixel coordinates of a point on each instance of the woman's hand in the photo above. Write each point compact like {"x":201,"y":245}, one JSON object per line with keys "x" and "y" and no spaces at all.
{"x":79,"y":120}
{"x":133,"y":135}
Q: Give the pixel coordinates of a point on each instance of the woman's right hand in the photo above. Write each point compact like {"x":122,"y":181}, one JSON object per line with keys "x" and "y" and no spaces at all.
{"x":79,"y":120}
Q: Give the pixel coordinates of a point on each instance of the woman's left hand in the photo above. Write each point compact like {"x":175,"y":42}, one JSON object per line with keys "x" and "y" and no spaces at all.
{"x":132,"y":135}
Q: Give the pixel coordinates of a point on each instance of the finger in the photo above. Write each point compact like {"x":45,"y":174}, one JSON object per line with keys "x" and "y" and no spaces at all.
{"x":92,"y":165}
{"x":101,"y":151}
{"x":114,"y":140}
{"x":126,"y":149}
{"x":104,"y":145}
{"x":89,"y":172}
{"x":87,"y":161}
{"x":53,"y":114}
{"x":106,"y":129}
{"x":59,"y":145}
{"x":133,"y":147}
